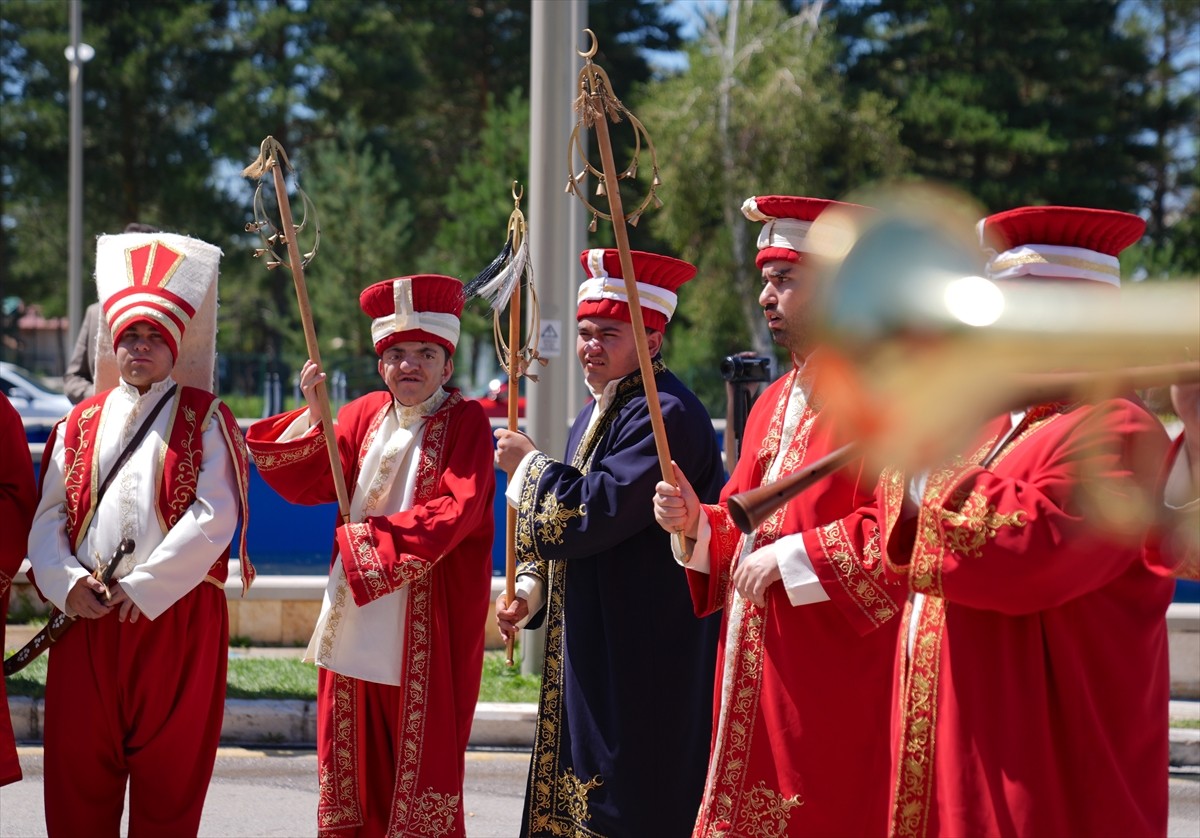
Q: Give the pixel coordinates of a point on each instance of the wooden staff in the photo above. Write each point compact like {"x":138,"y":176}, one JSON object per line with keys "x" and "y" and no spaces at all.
{"x":500,"y":284}
{"x":271,"y":156}
{"x":517,"y":231}
{"x":594,"y":85}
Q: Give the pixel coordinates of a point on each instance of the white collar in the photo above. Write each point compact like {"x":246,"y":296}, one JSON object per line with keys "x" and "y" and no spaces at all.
{"x":408,"y":416}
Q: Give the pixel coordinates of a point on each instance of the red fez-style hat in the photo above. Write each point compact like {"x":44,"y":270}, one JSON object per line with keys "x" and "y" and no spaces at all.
{"x":159,"y":278}
{"x":1059,"y":242}
{"x":787,"y":220}
{"x":425,"y":307}
{"x":658,"y":277}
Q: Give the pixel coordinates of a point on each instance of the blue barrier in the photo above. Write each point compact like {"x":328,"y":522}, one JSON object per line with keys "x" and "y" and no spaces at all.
{"x":289,"y":540}
{"x":285,"y":539}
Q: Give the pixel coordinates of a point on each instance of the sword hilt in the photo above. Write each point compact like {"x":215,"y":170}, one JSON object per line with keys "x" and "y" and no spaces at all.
{"x":59,"y":621}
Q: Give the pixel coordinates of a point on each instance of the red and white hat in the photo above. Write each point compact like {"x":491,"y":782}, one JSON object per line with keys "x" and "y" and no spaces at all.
{"x":603,"y":293}
{"x":425,"y":307}
{"x":787,"y":221}
{"x":160,"y":278}
{"x":1058,"y":243}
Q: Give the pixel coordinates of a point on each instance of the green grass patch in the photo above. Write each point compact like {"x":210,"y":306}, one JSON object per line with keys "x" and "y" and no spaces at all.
{"x":244,"y":407}
{"x":290,"y":678}
{"x":275,"y":678}
{"x":1192,"y":723}
{"x":30,"y":681}
{"x":505,"y":683}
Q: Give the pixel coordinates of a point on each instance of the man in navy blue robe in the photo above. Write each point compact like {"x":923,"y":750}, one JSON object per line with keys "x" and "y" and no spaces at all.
{"x":625,"y":715}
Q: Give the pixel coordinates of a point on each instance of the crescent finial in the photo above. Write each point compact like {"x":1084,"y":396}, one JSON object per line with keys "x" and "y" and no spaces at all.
{"x":590,"y":51}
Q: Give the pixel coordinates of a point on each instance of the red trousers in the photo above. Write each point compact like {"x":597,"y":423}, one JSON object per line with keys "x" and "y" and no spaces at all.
{"x":376,"y":711}
{"x":140,"y":703}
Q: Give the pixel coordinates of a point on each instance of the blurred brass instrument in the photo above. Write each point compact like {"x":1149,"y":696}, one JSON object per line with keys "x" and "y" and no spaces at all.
{"x":918,"y":350}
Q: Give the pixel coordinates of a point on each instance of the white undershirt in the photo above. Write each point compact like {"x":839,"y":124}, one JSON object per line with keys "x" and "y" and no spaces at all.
{"x":162,"y":568}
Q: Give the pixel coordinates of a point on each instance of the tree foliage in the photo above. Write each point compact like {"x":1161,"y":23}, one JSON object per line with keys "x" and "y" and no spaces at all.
{"x":1171,"y":31}
{"x":761,"y":110}
{"x":1021,"y":102}
{"x":408,"y":120}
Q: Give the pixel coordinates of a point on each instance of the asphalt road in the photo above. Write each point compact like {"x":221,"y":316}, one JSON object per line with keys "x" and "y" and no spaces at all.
{"x":273,"y":793}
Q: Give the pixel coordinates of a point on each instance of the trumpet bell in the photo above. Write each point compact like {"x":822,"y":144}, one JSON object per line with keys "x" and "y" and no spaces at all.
{"x":925,"y":350}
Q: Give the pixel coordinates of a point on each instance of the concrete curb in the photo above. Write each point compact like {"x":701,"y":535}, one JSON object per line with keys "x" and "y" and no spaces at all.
{"x":277,"y":722}
{"x":1185,"y":747}
{"x":496,"y":725}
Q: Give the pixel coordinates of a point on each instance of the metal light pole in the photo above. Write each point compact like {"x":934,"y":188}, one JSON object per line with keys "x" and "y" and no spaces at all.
{"x":78,"y":54}
{"x":557,"y":224}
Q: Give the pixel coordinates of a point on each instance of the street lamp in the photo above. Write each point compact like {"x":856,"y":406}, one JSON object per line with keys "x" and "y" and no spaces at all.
{"x":77,"y":54}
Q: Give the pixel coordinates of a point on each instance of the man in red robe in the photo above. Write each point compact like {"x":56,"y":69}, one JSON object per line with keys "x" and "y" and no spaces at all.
{"x":17,"y":498}
{"x":399,"y":641}
{"x":135,"y":690}
{"x":1033,"y":671}
{"x":806,"y":657}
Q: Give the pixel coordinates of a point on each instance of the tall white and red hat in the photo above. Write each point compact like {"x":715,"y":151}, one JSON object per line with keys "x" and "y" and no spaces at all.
{"x":787,"y":221}
{"x":168,"y":280}
{"x":425,"y":307}
{"x":1064,"y":243}
{"x":659,"y":278}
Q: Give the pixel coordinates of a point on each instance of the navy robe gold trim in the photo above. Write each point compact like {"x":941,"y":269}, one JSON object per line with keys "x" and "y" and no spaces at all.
{"x":625,"y":716}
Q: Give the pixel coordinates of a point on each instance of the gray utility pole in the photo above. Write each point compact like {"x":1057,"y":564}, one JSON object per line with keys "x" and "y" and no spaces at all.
{"x":78,"y":54}
{"x":557,"y":232}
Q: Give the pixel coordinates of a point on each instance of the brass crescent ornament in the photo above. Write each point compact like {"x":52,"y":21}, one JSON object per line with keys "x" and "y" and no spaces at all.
{"x":590,"y":53}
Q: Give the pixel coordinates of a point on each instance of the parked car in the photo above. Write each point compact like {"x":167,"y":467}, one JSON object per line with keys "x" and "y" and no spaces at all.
{"x":31,"y":395}
{"x":495,"y":403}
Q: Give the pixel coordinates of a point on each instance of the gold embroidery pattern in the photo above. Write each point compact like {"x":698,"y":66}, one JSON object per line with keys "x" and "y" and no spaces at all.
{"x":382,"y":479}
{"x":161,"y":467}
{"x":554,"y":794}
{"x":766,"y":812}
{"x":860,"y":578}
{"x":926,"y":556}
{"x":373,"y":430}
{"x":527,"y":547}
{"x":919,"y":691}
{"x":433,"y":813}
{"x":365,"y":558}
{"x":338,"y":782}
{"x":187,"y":469}
{"x":380,"y":579}
{"x":771,"y":529}
{"x":76,"y":461}
{"x":727,"y":541}
{"x":410,"y":568}
{"x":413,"y":814}
{"x":279,"y":459}
{"x":552,"y":517}
{"x":728,"y":806}
{"x":919,"y":676}
{"x":412,"y":710}
{"x":754,"y":811}
{"x":5,"y":584}
{"x":336,"y":609}
{"x":558,"y":799}
{"x":892,"y":489}
{"x":967,"y":531}
{"x":771,"y":441}
{"x":235,"y":441}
